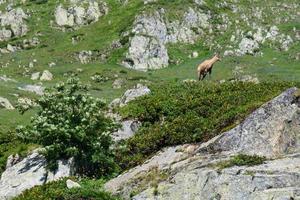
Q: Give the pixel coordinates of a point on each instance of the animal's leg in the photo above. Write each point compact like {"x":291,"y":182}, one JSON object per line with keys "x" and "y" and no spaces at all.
{"x":203,"y":76}
{"x":209,"y":71}
{"x":199,"y":75}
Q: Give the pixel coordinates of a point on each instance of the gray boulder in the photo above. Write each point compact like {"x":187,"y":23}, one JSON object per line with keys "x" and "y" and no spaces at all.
{"x":28,"y":173}
{"x":147,"y":47}
{"x":118,"y":83}
{"x":153,"y":31}
{"x":72,"y":184}
{"x":14,"y":24}
{"x":35,"y":76}
{"x":4,"y":103}
{"x":247,"y":46}
{"x":62,"y":17}
{"x":146,"y":53}
{"x":78,"y":13}
{"x":6,"y":79}
{"x":127,"y":130}
{"x":5,"y":34}
{"x":46,"y":76}
{"x":138,"y":91}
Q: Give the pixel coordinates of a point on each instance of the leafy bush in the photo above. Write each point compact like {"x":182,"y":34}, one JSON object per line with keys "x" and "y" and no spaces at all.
{"x":242,"y":159}
{"x":189,"y":112}
{"x":69,"y":124}
{"x":90,"y":190}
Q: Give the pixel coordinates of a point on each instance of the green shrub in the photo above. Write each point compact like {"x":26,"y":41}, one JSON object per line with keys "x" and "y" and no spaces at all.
{"x":69,"y":124}
{"x":90,"y":190}
{"x":189,"y":112}
{"x":241,"y":160}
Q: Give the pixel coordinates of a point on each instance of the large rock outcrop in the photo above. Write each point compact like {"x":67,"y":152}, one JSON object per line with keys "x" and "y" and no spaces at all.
{"x":153,"y":31}
{"x":79,"y":14}
{"x":28,"y":173}
{"x":191,"y":171}
{"x":13,"y":24}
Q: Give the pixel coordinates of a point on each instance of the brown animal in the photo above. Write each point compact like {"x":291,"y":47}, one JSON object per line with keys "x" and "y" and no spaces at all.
{"x":206,"y":67}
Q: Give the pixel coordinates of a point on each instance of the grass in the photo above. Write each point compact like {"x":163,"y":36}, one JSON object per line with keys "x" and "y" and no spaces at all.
{"x":56,"y":46}
{"x":242,"y":160}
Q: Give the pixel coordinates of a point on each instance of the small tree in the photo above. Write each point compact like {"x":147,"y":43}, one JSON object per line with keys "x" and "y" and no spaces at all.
{"x":69,"y":124}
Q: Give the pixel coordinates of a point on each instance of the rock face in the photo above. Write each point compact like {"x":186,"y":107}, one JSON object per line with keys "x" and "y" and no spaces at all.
{"x":5,"y":104}
{"x":129,"y":95}
{"x":266,"y":132}
{"x":28,"y":173}
{"x":128,"y":129}
{"x":191,"y":171}
{"x":80,"y":13}
{"x":153,"y":31}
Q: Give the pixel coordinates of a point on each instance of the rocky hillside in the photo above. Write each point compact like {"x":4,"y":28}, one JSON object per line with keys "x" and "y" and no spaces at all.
{"x":120,"y":49}
{"x":209,"y":171}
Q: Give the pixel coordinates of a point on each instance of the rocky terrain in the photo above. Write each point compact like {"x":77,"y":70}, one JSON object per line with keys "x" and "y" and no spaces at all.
{"x":120,"y":49}
{"x":192,"y":171}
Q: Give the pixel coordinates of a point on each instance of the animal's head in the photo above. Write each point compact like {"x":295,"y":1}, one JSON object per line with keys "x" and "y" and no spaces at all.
{"x":217,"y":57}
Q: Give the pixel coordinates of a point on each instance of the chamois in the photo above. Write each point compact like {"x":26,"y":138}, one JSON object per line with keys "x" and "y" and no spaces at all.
{"x":206,"y":67}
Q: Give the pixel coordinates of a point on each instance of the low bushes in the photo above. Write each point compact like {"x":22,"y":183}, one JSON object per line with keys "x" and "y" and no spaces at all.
{"x":90,"y":190}
{"x":241,"y":160}
{"x":187,"y":113}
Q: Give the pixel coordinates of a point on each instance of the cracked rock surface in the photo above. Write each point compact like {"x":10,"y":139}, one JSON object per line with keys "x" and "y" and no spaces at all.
{"x":193,"y":173}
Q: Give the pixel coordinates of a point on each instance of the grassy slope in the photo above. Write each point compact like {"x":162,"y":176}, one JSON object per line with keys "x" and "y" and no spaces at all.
{"x":56,"y":47}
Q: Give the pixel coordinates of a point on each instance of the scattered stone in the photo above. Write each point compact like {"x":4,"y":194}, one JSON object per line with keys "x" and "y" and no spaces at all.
{"x":247,"y":46}
{"x":85,"y":56}
{"x":72,"y":184}
{"x":46,"y":76}
{"x":31,"y":65}
{"x":4,"y":103}
{"x":6,"y":79}
{"x":52,"y":64}
{"x":118,"y":83}
{"x":62,"y":18}
{"x":39,"y":90}
{"x":35,"y":76}
{"x":195,"y":54}
{"x":11,"y":48}
{"x":13,"y":24}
